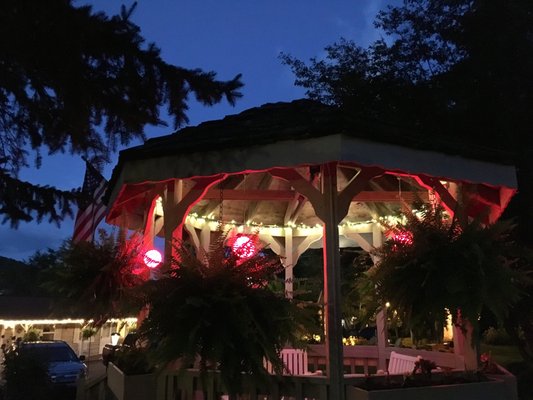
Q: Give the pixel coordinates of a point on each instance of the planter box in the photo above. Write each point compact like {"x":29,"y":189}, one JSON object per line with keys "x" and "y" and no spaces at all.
{"x":130,"y":387}
{"x":509,"y":381}
{"x":491,"y":390}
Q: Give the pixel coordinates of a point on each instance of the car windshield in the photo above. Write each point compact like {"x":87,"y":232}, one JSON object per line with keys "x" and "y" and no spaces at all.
{"x":48,"y":354}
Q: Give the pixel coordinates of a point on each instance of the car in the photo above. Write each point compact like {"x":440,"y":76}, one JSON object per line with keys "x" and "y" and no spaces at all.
{"x":108,"y":352}
{"x":62,"y":364}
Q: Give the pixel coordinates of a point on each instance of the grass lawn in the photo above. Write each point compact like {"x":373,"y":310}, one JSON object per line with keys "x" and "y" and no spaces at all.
{"x":509,"y":357}
{"x":503,"y":355}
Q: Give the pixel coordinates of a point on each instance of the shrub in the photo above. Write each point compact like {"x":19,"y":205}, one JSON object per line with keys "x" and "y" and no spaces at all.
{"x":32,"y":335}
{"x":26,"y":378}
{"x":220,"y":310}
{"x":133,"y":360}
{"x":496,"y":336}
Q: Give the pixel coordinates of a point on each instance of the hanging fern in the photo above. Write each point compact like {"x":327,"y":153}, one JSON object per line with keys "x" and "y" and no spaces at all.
{"x":447,"y":265}
{"x":221,"y":311}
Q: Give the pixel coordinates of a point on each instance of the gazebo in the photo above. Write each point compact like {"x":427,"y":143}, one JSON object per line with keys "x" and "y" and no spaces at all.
{"x":297,"y":173}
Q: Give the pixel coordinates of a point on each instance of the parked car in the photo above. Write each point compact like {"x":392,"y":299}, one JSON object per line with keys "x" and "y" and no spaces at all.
{"x":108,"y":352}
{"x":62,"y":364}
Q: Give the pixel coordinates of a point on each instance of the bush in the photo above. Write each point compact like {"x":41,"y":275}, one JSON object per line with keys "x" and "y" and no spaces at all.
{"x":26,"y":378}
{"x":133,"y":361}
{"x":496,"y":336}
{"x":220,"y":310}
{"x":32,"y":335}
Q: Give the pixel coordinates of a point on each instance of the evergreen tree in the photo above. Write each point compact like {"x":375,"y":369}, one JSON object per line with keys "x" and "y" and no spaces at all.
{"x":77,"y":81}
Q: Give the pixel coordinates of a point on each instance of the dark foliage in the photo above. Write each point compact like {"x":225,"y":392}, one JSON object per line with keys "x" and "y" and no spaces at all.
{"x":447,"y":70}
{"x":18,"y":278}
{"x":133,"y":360}
{"x":26,"y":378}
{"x":96,"y":280}
{"x":77,"y":81}
{"x":447,"y":265}
{"x":456,"y":75}
{"x":221,"y":312}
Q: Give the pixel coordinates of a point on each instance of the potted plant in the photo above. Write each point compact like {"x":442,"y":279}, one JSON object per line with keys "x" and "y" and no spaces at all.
{"x":433,"y":266}
{"x":131,"y":374}
{"x":217,"y":312}
{"x":426,"y":385}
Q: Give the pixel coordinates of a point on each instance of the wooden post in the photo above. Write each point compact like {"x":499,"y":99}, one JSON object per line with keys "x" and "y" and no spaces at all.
{"x":289,"y":264}
{"x":464,"y":346}
{"x":381,"y":317}
{"x":332,"y":280}
{"x":177,"y":205}
{"x":149,"y":224}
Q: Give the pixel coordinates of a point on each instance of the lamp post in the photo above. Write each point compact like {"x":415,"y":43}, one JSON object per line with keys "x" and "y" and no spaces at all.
{"x":115,"y":338}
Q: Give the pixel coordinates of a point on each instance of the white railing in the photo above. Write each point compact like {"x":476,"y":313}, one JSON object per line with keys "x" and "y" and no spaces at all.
{"x":364,"y":359}
{"x":359,"y":361}
{"x":190,"y":385}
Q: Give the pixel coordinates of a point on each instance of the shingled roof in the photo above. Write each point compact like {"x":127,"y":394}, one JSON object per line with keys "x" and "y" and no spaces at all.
{"x":299,"y":120}
{"x":15,"y":307}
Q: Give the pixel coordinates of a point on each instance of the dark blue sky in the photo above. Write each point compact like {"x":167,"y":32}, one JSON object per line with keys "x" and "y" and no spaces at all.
{"x":228,"y":37}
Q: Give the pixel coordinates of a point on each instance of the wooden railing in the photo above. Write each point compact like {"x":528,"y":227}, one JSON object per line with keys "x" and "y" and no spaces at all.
{"x":189,"y":385}
{"x":364,"y":359}
{"x":359,"y":361}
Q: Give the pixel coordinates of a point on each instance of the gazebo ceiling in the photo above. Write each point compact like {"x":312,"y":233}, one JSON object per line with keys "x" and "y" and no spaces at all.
{"x":301,"y":136}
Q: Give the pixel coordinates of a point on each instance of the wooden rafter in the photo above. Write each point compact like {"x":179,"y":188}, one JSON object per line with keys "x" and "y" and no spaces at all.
{"x":253,"y":206}
{"x":355,"y":187}
{"x":287,"y":195}
{"x":230,"y":183}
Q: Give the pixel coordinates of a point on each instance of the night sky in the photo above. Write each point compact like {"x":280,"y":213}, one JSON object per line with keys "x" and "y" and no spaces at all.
{"x":228,"y":37}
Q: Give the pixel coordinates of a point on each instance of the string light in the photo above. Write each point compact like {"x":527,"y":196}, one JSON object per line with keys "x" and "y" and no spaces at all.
{"x":12,"y":323}
{"x":198,"y":221}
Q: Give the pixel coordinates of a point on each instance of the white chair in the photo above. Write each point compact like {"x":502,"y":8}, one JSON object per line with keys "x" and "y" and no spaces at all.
{"x":401,"y":363}
{"x":294,"y":361}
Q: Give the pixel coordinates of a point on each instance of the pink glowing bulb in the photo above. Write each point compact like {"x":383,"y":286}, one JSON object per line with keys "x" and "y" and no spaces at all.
{"x":152,"y":258}
{"x":243,"y":247}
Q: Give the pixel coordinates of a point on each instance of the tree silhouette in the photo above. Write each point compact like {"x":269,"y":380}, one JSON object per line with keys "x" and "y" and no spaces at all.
{"x":81,"y":82}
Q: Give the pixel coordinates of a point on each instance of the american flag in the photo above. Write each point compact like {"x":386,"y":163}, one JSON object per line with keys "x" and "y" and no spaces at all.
{"x":92,"y":209}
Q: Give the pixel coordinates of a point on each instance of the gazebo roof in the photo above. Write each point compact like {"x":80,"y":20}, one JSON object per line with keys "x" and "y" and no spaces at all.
{"x":298,"y":120}
{"x":299,"y":135}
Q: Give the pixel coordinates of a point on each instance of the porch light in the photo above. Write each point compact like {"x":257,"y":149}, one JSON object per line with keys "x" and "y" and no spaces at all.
{"x":114,"y":338}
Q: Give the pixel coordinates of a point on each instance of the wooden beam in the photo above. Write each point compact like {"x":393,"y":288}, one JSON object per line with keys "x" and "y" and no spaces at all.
{"x":355,"y":187}
{"x":301,"y":184}
{"x":253,"y":206}
{"x":332,"y":281}
{"x":288,"y":195}
{"x":231,"y":182}
{"x":176,"y":208}
{"x":445,"y":196}
{"x":291,"y":208}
